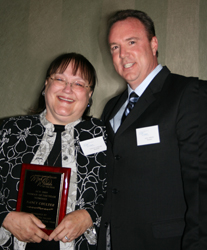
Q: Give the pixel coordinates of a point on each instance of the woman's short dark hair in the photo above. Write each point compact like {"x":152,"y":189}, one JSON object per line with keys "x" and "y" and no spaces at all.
{"x":59,"y":65}
{"x":140,"y":15}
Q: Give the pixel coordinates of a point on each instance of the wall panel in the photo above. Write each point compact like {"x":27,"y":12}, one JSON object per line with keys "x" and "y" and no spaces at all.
{"x":33,"y":32}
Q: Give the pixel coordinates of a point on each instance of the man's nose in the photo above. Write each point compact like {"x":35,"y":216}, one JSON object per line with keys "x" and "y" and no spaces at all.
{"x":122,"y":52}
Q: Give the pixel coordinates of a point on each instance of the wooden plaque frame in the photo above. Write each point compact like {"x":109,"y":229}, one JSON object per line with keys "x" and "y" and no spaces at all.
{"x":43,"y":191}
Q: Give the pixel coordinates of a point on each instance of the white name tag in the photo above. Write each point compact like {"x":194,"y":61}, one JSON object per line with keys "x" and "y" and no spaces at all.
{"x":92,"y":146}
{"x":148,"y":135}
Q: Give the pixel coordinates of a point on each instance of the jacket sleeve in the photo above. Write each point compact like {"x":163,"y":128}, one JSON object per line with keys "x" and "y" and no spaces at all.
{"x":191,"y":134}
{"x":5,"y":194}
{"x":91,"y":171}
{"x":203,"y":164}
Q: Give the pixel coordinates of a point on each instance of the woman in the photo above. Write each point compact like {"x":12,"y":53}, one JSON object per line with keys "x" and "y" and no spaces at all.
{"x":54,"y":137}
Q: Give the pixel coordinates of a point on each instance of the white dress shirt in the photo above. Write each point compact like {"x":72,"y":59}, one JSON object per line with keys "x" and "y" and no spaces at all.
{"x":116,"y":120}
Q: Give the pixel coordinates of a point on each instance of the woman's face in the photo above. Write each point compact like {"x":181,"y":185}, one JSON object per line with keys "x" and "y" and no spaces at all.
{"x":64,"y":103}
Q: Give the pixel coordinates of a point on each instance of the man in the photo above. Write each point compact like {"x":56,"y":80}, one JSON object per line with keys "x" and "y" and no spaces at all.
{"x":155,"y":148}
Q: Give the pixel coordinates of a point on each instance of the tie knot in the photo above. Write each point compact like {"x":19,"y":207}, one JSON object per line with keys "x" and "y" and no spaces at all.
{"x":133,"y":97}
{"x":59,"y":128}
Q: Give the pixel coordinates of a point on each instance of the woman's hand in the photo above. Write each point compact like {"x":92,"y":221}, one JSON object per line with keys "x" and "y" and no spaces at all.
{"x":72,"y":226}
{"x":25,"y":227}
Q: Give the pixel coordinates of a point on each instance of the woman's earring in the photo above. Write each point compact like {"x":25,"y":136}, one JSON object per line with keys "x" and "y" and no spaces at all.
{"x":89,"y":102}
{"x":43,"y":93}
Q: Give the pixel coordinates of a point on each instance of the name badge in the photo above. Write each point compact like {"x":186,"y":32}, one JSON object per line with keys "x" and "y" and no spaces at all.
{"x":92,"y":146}
{"x":148,"y":135}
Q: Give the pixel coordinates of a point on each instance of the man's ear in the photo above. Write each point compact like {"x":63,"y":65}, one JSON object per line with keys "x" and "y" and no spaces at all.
{"x":154,"y":45}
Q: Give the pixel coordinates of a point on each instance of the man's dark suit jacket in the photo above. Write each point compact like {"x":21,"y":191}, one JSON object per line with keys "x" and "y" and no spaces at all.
{"x":153,"y":190}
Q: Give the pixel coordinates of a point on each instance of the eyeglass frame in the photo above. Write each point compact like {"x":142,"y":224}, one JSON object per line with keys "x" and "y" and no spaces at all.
{"x":67,"y":82}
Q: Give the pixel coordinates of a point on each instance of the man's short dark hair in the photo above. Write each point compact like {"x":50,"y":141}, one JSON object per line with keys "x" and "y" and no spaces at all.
{"x":140,"y":15}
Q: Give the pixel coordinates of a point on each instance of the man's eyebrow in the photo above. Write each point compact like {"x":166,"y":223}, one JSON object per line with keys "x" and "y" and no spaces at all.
{"x":131,"y":38}
{"x":112,"y":43}
{"x":127,"y":39}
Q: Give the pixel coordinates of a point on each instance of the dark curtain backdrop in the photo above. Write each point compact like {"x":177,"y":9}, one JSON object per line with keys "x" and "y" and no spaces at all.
{"x":33,"y":32}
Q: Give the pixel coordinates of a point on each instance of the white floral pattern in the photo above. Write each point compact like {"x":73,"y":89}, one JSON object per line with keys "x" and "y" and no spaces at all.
{"x":25,"y":140}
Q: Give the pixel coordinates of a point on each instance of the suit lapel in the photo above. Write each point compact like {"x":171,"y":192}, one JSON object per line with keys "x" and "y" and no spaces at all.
{"x":117,"y":105}
{"x":143,"y":103}
{"x":121,"y":100}
{"x":145,"y":100}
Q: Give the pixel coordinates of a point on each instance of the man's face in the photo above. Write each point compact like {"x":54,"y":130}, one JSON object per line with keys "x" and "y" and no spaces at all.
{"x":134,"y":56}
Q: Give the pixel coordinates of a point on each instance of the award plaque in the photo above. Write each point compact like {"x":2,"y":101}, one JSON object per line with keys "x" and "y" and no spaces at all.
{"x":43,"y":191}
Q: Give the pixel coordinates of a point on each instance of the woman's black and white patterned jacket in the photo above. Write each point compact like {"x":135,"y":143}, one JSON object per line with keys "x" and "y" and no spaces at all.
{"x":29,"y":139}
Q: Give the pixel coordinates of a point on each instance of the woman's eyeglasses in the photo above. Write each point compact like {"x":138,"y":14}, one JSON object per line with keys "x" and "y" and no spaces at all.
{"x":76,"y":85}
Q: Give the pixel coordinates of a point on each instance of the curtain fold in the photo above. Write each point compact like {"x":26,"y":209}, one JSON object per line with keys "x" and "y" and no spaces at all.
{"x":33,"y":32}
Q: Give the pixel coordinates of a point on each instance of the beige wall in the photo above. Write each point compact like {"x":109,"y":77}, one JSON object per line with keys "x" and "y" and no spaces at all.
{"x":33,"y":32}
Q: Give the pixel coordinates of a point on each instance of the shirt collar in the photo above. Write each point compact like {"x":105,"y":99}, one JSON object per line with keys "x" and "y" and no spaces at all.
{"x":49,"y":126}
{"x":141,"y":88}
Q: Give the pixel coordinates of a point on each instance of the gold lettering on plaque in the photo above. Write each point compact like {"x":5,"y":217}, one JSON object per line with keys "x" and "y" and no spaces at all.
{"x":43,"y":181}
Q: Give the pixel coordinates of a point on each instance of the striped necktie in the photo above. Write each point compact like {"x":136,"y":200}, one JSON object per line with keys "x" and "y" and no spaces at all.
{"x":133,"y":98}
